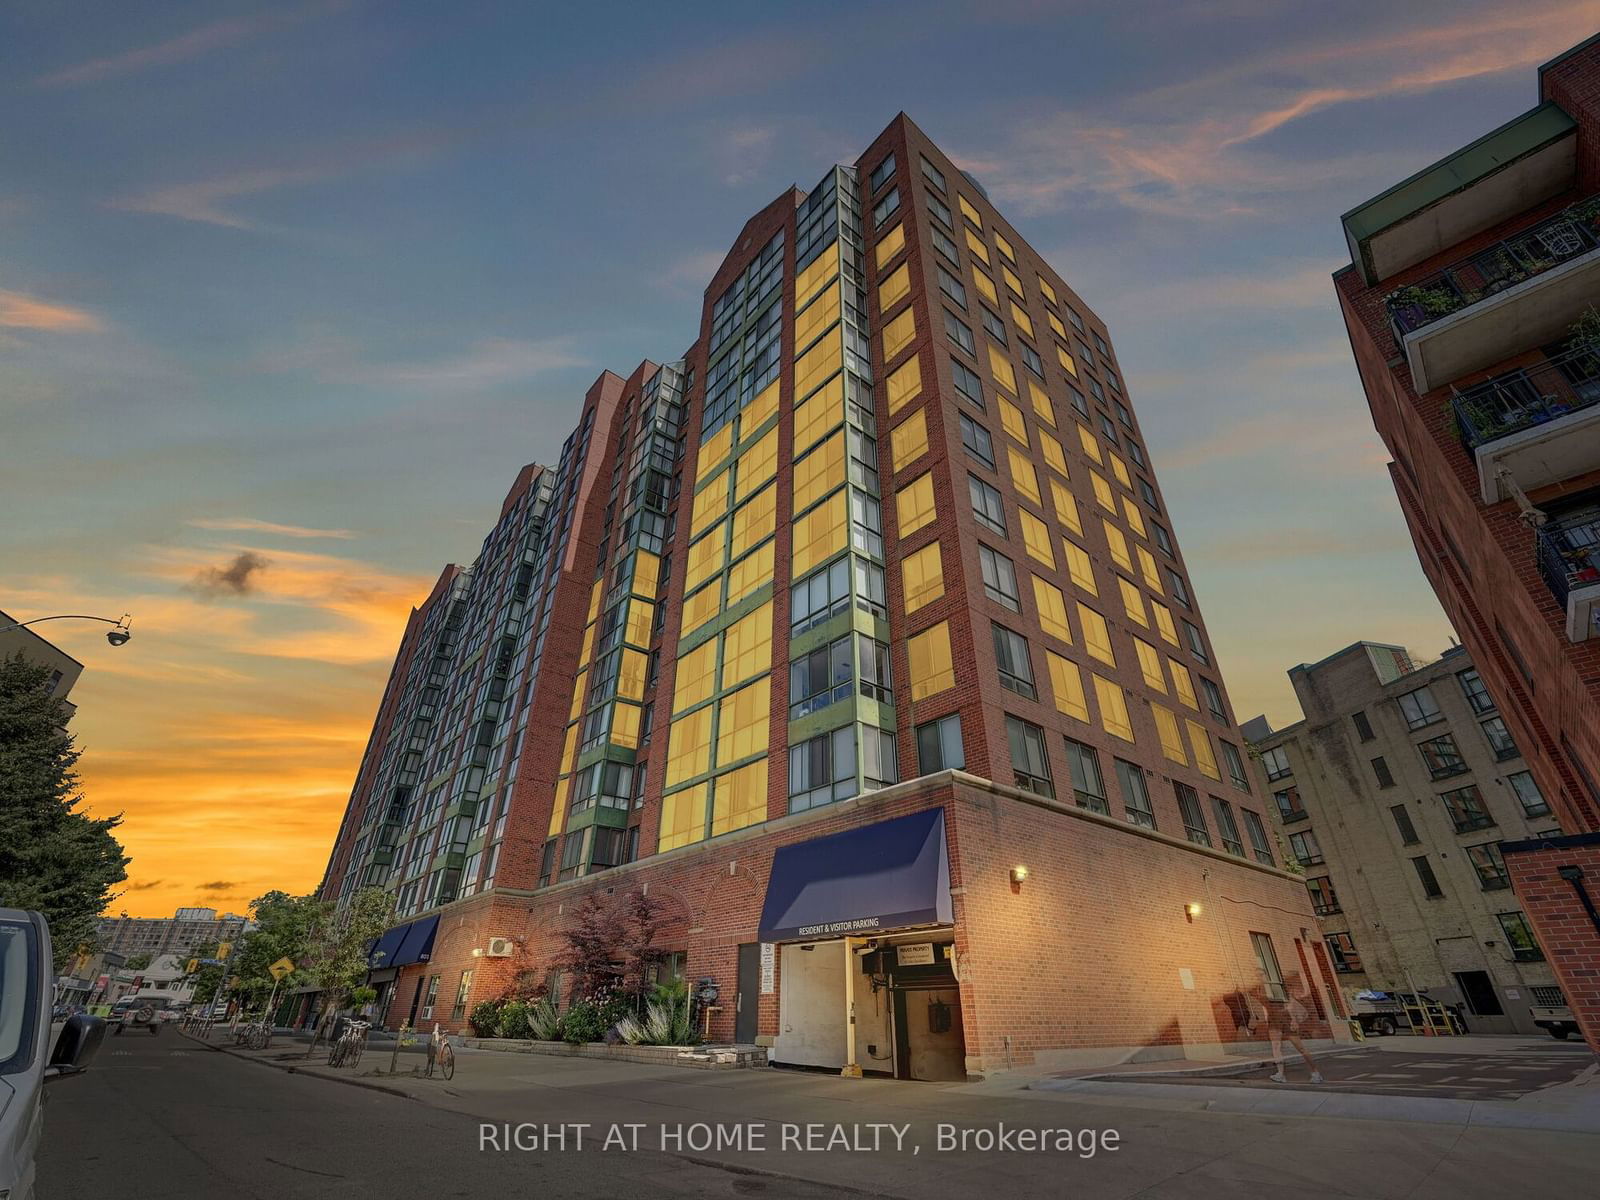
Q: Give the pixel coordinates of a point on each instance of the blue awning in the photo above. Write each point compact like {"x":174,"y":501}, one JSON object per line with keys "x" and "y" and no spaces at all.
{"x":887,"y":875}
{"x":417,"y":947}
{"x":382,"y":954}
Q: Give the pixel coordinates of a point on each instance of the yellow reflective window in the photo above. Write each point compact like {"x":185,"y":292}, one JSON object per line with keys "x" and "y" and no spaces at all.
{"x":1147,"y":568}
{"x":968,"y":211}
{"x":1023,"y":321}
{"x":705,"y":557}
{"x":570,"y":749}
{"x":1118,"y":544}
{"x":1066,"y":506}
{"x":739,"y":798}
{"x":558,"y":811}
{"x":1053,"y":456}
{"x":819,"y":414}
{"x":754,"y":522}
{"x":1102,"y":492}
{"x":891,"y":244}
{"x":1120,"y":470}
{"x":1012,"y":281}
{"x":1079,"y":568}
{"x":1066,"y":682}
{"x":898,"y":334}
{"x":1065,"y":359}
{"x":689,"y":746}
{"x":1096,"y":635}
{"x":985,"y":285}
{"x":640,"y":614}
{"x":683,"y":818}
{"x":1045,"y":288}
{"x":820,"y":534}
{"x":1113,"y":703}
{"x":1005,"y":248}
{"x":1056,"y":326}
{"x":702,"y":606}
{"x":1011,"y":420}
{"x":895,"y":288}
{"x":713,"y":450}
{"x":905,"y":384}
{"x":749,"y":573}
{"x":756,"y":465}
{"x":1042,"y":407}
{"x":1052,"y":610}
{"x":625,"y":725}
{"x":1203,"y":758}
{"x":914,"y":505}
{"x":577,"y":694}
{"x":646,"y":573}
{"x":709,"y":505}
{"x":747,"y":646}
{"x":819,"y":472}
{"x":1133,"y":602}
{"x":697,"y":676}
{"x":1171,"y":738}
{"x":742,"y":720}
{"x":922,"y":574}
{"x":1002,"y":370}
{"x":818,"y":315}
{"x":594,"y":599}
{"x":979,"y":250}
{"x":1150,"y":665}
{"x":1183,"y":683}
{"x":1164,"y":622}
{"x":812,"y":280}
{"x":588,"y":644}
{"x":1023,"y":476}
{"x":1090,"y":444}
{"x":1036,"y":537}
{"x":909,"y":440}
{"x":1135,"y":517}
{"x":819,"y":362}
{"x":928,"y":654}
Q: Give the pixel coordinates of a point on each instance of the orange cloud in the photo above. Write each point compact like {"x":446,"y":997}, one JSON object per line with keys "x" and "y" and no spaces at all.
{"x":19,"y":311}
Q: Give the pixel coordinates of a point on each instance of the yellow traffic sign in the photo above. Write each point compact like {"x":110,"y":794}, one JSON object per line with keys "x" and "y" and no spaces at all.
{"x":223,"y":949}
{"x":193,"y":964}
{"x":281,"y":968}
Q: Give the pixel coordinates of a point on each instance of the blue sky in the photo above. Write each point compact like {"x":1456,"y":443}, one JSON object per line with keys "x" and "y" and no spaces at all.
{"x":309,"y":281}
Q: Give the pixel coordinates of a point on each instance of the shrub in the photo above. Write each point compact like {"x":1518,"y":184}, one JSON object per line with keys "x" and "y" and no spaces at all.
{"x":485,"y":1018}
{"x":544,"y":1020}
{"x":668,"y":1020}
{"x":588,"y":1018}
{"x":514,"y":1020}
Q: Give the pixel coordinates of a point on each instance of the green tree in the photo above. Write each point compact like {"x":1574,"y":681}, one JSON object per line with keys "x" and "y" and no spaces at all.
{"x":137,"y":962}
{"x":338,"y":951}
{"x":53,"y":858}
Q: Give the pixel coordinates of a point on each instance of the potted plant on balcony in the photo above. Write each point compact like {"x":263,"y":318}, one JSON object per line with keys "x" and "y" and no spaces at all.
{"x":1581,"y":566}
{"x":1585,"y":333}
{"x":1415,"y":305}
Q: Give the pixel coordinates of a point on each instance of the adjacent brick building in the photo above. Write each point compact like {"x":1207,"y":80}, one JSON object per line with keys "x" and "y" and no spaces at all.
{"x":879,"y":559}
{"x":1470,"y":305}
{"x":1395,"y":795}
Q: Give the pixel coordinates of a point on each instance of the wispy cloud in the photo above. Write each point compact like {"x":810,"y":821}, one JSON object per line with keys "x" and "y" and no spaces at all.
{"x":204,"y":200}
{"x":252,"y":525}
{"x":19,"y":311}
{"x":183,"y":47}
{"x":486,"y":363}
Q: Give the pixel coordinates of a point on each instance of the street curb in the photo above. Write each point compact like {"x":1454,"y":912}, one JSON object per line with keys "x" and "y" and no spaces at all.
{"x":288,"y":1069}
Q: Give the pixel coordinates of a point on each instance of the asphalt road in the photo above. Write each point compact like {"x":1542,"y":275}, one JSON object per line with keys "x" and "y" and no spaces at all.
{"x":167,"y":1119}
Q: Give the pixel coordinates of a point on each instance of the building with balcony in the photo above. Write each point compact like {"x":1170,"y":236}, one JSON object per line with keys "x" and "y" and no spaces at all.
{"x":857,"y":640}
{"x":1471,"y":305}
{"x":1394,"y":795}
{"x":64,"y":669}
{"x":180,"y":933}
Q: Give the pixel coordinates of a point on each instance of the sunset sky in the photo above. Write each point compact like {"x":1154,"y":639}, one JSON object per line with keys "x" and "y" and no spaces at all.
{"x":289,"y":291}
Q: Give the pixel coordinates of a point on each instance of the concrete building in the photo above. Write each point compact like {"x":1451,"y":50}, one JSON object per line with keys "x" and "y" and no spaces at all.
{"x":177,"y":934}
{"x":1394,"y":795}
{"x":64,"y":669}
{"x":855,"y":634}
{"x":1470,"y":305}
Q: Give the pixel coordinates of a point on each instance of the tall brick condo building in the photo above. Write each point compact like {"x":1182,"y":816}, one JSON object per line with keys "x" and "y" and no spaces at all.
{"x":1471,"y":307}
{"x":857,"y":638}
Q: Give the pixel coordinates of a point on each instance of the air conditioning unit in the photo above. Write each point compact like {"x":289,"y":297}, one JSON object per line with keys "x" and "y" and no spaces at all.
{"x":499,"y":948}
{"x":427,"y":1013}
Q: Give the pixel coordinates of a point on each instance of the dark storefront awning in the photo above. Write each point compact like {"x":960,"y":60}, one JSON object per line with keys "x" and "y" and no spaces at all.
{"x":405,"y":944}
{"x":883,"y":876}
{"x":382,"y":954}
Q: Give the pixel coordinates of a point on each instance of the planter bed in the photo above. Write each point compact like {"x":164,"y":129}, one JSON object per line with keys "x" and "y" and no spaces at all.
{"x":714,"y":1058}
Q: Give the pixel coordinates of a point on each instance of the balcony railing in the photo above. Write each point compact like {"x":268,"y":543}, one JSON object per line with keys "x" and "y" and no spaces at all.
{"x":1569,"y":552}
{"x":1528,"y":396}
{"x":1570,"y":233}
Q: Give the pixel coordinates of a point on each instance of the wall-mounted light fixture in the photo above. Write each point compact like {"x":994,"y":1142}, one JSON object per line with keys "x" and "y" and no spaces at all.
{"x":1018,"y":874}
{"x":1191,"y":910}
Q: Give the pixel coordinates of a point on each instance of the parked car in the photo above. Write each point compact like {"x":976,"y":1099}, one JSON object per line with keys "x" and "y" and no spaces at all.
{"x":27,"y":1060}
{"x":138,"y":1012}
{"x":1559,"y":1022}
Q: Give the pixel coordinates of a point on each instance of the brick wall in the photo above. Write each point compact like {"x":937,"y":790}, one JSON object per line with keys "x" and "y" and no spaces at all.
{"x":1567,"y":933}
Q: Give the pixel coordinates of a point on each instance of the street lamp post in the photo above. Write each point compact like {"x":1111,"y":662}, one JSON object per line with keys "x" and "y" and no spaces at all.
{"x":117,"y":636}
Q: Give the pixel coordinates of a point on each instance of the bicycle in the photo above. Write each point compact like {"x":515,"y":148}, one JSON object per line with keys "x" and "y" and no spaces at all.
{"x":441,"y":1054}
{"x":350,"y":1044}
